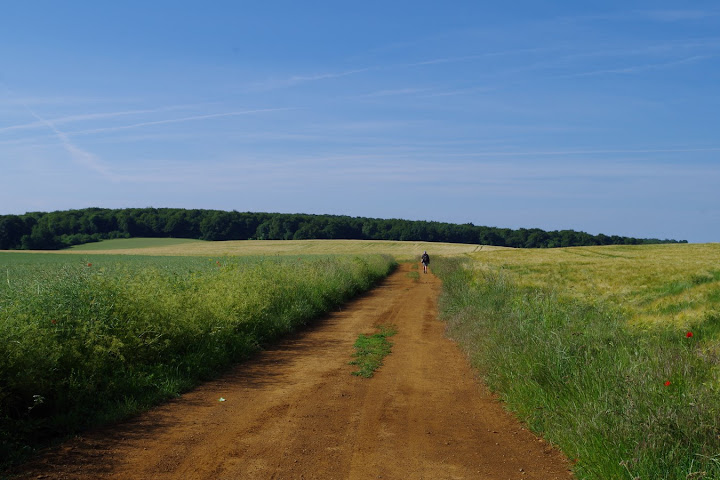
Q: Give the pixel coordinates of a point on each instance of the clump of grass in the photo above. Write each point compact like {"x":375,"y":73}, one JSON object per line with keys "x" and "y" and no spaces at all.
{"x":89,"y":342}
{"x":370,"y":350}
{"x":413,"y":275}
{"x":626,"y":403}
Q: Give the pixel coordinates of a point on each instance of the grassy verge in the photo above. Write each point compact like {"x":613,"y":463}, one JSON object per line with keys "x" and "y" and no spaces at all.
{"x":83,"y":344}
{"x":370,"y":350}
{"x":623,"y":402}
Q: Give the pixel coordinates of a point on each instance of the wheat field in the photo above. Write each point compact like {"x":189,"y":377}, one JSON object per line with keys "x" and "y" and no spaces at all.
{"x":400,"y":250}
{"x":679,"y":283}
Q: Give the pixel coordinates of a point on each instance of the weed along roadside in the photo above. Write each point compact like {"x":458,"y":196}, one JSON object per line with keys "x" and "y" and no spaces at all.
{"x":85,"y":343}
{"x":624,"y":402}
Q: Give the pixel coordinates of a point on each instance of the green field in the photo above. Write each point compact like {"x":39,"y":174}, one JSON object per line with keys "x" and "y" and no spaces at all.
{"x":92,"y":338}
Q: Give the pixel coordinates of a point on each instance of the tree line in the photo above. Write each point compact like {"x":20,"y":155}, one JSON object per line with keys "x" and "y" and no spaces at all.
{"x":61,"y":229}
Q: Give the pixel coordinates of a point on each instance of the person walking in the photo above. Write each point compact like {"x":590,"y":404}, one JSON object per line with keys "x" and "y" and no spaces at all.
{"x":425,"y":259}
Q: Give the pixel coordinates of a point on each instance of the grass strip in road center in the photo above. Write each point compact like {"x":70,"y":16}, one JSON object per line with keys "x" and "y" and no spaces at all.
{"x":370,"y":351}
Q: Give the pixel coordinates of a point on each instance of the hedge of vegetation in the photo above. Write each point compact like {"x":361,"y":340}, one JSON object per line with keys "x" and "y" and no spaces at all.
{"x":54,"y":230}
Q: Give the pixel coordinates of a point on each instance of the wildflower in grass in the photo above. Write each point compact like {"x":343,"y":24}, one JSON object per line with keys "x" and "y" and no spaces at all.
{"x":688,"y":334}
{"x":53,"y":321}
{"x":89,"y":264}
{"x":667,"y":383}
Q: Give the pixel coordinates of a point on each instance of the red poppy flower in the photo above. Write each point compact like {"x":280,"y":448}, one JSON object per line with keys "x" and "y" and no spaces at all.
{"x":54,"y":322}
{"x":688,"y":334}
{"x":667,"y":384}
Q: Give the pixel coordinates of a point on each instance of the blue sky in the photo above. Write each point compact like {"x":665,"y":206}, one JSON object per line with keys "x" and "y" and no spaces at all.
{"x":602,"y":118}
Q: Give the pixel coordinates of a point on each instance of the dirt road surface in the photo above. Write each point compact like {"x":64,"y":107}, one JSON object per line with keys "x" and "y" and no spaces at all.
{"x":296,"y":412}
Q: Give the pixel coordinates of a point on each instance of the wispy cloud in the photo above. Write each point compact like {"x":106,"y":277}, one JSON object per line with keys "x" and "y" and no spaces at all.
{"x":462,"y":91}
{"x":293,"y":80}
{"x":436,"y":61}
{"x":177,"y":120}
{"x":274,"y":83}
{"x":631,"y":69}
{"x":470,"y":58}
{"x":380,"y":168}
{"x":678,"y":15}
{"x":394,"y":92}
{"x":85,"y":117}
{"x":79,"y":155}
{"x":707,"y":46}
{"x":324,"y":76}
{"x":23,"y":101}
{"x":538,"y":153}
{"x":659,"y":15}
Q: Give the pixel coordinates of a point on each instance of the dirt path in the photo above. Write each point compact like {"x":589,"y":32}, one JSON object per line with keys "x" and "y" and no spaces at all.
{"x":296,"y":412}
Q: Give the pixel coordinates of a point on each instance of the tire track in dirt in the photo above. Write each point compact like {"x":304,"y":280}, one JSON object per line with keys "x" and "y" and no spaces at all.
{"x":296,"y":412}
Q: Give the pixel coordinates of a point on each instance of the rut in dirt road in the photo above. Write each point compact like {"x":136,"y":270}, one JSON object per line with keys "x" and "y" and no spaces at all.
{"x":296,"y":412}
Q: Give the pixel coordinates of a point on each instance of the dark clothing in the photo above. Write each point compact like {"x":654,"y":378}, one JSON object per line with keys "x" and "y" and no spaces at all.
{"x":425,"y":259}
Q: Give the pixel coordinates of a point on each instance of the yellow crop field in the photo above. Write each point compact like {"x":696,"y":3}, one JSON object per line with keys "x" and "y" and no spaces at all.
{"x":677,"y":283}
{"x":400,"y":250}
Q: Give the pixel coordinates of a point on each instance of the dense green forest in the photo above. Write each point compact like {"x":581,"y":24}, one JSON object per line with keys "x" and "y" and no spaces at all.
{"x":61,"y":229}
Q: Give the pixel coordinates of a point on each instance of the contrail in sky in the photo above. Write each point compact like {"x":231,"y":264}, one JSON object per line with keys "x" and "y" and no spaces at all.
{"x":87,"y":116}
{"x":178,"y":120}
{"x":79,"y":155}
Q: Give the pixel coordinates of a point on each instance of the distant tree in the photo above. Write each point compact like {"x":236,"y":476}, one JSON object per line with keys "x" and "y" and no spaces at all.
{"x":99,"y":222}
{"x":177,"y":225}
{"x":219,"y":225}
{"x":63,"y":228}
{"x":12,"y":229}
{"x":537,"y":239}
{"x":127,"y":223}
{"x":307,"y":231}
{"x":41,"y":238}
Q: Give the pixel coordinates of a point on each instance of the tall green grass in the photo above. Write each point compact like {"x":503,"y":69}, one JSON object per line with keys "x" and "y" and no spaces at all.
{"x":83,"y":344}
{"x":622,"y":403}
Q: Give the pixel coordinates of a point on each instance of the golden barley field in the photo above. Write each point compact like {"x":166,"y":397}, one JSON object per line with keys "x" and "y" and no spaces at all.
{"x":678,"y":283}
{"x":400,"y":250}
